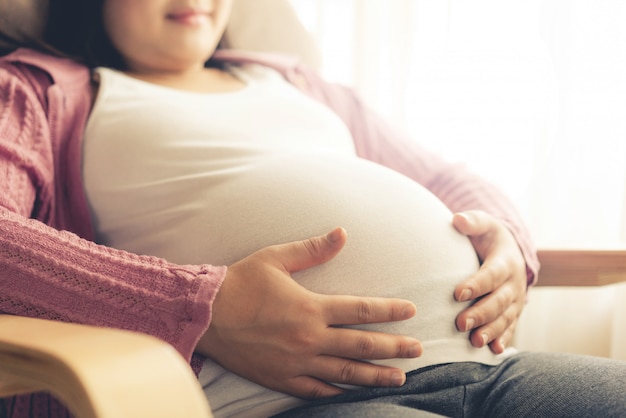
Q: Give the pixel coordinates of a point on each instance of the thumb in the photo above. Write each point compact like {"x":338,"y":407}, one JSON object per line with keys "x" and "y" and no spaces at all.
{"x":301,"y":255}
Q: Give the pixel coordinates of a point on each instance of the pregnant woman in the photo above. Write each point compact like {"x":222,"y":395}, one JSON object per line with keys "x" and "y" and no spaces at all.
{"x":239,"y":171}
{"x":148,"y":151}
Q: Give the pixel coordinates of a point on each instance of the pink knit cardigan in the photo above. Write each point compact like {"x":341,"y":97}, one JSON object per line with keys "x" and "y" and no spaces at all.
{"x":51,"y":268}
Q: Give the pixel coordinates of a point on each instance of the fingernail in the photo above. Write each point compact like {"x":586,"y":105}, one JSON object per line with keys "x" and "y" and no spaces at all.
{"x":398,"y":378}
{"x":465,"y":295}
{"x":465,"y":216}
{"x":408,"y":311}
{"x":469,"y":324}
{"x":415,"y":350}
{"x":485,"y":338}
{"x":334,"y":235}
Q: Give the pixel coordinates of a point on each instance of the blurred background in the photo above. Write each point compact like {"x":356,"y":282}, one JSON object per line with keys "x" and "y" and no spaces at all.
{"x":531,"y":94}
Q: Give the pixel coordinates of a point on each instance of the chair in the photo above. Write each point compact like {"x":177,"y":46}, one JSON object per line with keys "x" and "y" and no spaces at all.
{"x":577,"y":305}
{"x":581,"y":267}
{"x":88,"y":367}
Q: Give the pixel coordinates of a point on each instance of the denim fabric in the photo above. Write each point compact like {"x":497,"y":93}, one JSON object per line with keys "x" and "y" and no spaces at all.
{"x":524,"y":385}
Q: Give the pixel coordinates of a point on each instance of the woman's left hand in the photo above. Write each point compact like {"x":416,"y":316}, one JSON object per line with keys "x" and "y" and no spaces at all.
{"x":499,"y":287}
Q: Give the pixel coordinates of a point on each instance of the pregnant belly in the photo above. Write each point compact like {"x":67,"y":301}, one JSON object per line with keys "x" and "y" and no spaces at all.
{"x":401,"y":242}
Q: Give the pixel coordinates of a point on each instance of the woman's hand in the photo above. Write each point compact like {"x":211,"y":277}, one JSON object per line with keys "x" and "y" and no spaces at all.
{"x":269,"y":329}
{"x":499,"y":285}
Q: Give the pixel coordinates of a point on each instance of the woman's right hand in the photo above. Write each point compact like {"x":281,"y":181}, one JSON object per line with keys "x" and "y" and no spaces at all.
{"x":269,"y":329}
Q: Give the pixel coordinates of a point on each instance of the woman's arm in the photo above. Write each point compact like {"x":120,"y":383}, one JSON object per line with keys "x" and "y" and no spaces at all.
{"x":56,"y":275}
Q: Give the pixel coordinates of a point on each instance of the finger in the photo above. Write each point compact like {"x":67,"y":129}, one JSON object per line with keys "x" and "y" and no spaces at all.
{"x":480,"y":227}
{"x":354,"y":310}
{"x":473,"y":222}
{"x":307,"y":387}
{"x":491,"y":275}
{"x":487,"y":309}
{"x":301,"y":255}
{"x":486,"y":334}
{"x":353,"y":372}
{"x":498,"y":345}
{"x":358,"y":344}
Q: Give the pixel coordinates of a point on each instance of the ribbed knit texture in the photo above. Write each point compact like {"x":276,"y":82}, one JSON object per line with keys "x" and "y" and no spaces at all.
{"x":56,"y":275}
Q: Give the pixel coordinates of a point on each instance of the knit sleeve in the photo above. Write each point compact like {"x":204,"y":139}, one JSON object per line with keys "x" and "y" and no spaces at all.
{"x":54,"y":274}
{"x":453,"y":184}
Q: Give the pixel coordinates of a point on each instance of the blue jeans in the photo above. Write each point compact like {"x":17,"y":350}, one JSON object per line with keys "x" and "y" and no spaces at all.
{"x":524,"y":385}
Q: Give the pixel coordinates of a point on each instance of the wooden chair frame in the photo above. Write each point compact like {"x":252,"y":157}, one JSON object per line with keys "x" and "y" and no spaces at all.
{"x":97,"y":372}
{"x":581,"y":267}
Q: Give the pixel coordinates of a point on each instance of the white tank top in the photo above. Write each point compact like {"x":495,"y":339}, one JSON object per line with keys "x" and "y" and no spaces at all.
{"x":210,"y":178}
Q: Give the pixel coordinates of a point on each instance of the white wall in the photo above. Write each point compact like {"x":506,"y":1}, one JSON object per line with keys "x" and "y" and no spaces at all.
{"x":586,"y":320}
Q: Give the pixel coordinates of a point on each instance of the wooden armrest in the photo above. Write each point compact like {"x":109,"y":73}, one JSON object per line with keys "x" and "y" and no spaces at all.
{"x":581,"y":267}
{"x":97,"y":372}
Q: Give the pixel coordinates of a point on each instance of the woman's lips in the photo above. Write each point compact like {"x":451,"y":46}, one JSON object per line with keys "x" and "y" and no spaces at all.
{"x":189,"y":17}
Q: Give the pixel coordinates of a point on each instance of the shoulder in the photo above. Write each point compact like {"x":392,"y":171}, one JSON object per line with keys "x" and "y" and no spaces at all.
{"x":23,"y":90}
{"x":40,"y":70}
{"x":31,"y":79}
{"x":37,"y":90}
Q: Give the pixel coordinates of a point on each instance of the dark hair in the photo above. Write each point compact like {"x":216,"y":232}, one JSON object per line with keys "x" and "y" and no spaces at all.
{"x":75,"y":28}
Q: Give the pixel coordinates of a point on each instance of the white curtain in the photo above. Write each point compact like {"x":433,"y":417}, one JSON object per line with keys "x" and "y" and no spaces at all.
{"x":531,"y":94}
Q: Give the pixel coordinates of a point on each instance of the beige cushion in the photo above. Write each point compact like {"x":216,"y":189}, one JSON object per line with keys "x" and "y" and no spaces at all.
{"x":256,"y":25}
{"x":22,"y":17}
{"x":273,"y":26}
